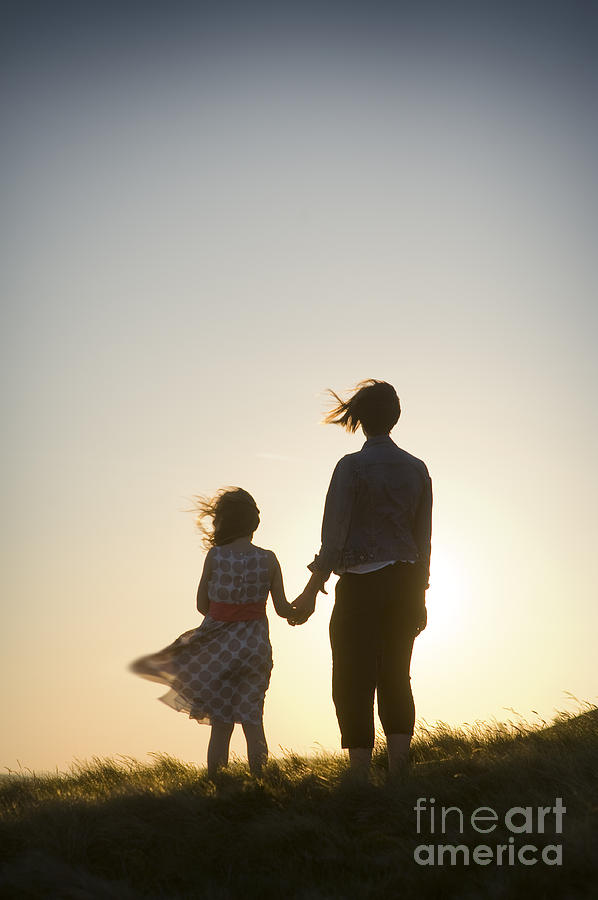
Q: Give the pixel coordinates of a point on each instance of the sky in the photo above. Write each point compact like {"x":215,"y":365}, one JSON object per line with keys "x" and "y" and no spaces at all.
{"x":211,"y":216}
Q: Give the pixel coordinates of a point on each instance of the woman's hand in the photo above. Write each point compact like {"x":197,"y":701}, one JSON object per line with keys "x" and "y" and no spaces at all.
{"x":303,"y":607}
{"x":422,"y":620}
{"x":305,"y":603}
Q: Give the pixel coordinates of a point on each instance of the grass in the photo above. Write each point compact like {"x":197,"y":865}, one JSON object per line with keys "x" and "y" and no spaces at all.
{"x":119,"y":829}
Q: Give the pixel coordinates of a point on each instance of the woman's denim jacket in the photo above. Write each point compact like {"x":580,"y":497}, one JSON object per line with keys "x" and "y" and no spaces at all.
{"x":378,"y":507}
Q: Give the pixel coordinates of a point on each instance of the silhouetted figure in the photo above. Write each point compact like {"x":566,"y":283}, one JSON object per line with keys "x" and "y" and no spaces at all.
{"x":219,"y":672}
{"x":376,"y":536}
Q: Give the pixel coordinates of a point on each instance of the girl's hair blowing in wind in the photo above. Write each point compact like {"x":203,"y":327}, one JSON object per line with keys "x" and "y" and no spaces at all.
{"x":234,"y":514}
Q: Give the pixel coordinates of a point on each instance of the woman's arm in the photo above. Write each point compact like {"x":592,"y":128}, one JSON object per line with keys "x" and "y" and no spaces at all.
{"x":335,"y":527}
{"x":203,"y":601}
{"x":281,"y":604}
{"x":336,"y":519}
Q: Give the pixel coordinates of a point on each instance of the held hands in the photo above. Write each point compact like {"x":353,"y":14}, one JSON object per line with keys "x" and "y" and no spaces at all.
{"x":302,"y":608}
{"x":305,"y":604}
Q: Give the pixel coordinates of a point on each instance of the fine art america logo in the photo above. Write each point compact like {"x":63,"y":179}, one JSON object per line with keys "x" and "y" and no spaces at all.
{"x":519,"y":821}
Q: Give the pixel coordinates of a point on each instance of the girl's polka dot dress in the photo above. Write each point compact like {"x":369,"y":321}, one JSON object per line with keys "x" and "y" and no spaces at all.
{"x":220,"y":671}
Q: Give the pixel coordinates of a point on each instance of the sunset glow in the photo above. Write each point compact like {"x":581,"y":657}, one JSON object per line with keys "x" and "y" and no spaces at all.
{"x":199,"y":245}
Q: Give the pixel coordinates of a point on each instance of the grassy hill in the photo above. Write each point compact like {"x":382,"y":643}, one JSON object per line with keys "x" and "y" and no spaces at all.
{"x":119,"y":829}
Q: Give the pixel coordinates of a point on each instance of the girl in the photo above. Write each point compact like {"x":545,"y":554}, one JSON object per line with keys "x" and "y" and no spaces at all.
{"x":376,"y":537}
{"x":219,"y":672}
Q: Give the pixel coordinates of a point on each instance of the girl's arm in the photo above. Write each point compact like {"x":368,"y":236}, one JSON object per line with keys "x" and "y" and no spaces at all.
{"x":281,"y":604}
{"x":203,"y":602}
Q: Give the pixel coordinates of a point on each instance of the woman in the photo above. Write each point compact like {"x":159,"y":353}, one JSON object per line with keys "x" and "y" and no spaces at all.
{"x":376,"y":536}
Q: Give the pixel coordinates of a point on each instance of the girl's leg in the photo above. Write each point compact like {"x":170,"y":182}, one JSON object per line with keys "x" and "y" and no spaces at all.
{"x":257,"y":748}
{"x":218,"y":746}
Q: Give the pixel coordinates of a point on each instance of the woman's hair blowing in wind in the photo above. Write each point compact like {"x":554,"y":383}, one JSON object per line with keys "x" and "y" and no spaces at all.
{"x":374,"y":405}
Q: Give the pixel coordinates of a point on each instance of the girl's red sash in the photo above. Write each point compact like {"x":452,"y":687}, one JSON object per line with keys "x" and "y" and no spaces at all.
{"x":237,"y":612}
